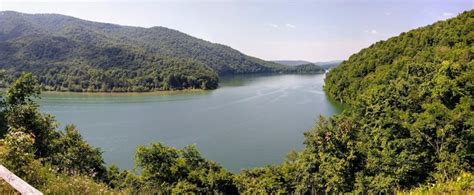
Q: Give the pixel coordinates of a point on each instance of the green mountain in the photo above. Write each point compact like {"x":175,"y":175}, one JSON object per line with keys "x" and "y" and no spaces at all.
{"x":301,"y":66}
{"x":423,"y":52}
{"x":291,"y":62}
{"x":325,"y":65}
{"x":329,"y":64}
{"x":67,"y":53}
{"x":408,"y":127}
{"x":309,"y":68}
{"x":408,"y":121}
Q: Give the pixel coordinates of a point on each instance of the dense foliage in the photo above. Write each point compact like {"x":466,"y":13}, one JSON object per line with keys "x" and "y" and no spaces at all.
{"x":49,"y":159}
{"x":325,"y":65}
{"x":181,"y":171}
{"x":306,"y":69}
{"x":69,"y":54}
{"x":33,"y":145}
{"x":410,"y":123}
{"x":463,"y":184}
{"x":329,"y":65}
{"x":441,"y":51}
{"x":410,"y":120}
{"x":167,"y":170}
{"x":291,"y":62}
{"x":415,"y":93}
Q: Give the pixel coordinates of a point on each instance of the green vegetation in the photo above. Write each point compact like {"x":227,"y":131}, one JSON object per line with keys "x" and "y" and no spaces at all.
{"x":464,"y":184}
{"x":69,"y":54}
{"x":306,"y":69}
{"x":330,"y":64}
{"x":57,"y":161}
{"x":409,"y":129}
{"x":34,"y":149}
{"x":410,"y":121}
{"x":5,"y":188}
{"x":292,"y":62}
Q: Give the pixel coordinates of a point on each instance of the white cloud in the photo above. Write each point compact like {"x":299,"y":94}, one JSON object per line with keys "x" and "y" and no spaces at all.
{"x":388,"y":13}
{"x":290,"y":26}
{"x":287,"y":25}
{"x":272,"y":25}
{"x":447,"y":14}
{"x":373,"y":31}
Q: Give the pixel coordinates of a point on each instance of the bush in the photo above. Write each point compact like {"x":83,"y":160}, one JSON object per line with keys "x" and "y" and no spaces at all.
{"x":463,"y":184}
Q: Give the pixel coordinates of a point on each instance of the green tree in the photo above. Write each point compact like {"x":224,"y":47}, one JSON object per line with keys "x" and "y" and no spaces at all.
{"x":73,"y":154}
{"x":171,"y":170}
{"x":20,"y":157}
{"x":3,"y":123}
{"x":23,"y":113}
{"x":66,"y":151}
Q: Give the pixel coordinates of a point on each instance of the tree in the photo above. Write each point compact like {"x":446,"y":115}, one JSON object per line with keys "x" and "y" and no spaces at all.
{"x":3,"y":123}
{"x":410,"y":100}
{"x":23,"y":113}
{"x":20,"y":157}
{"x":72,"y":154}
{"x":23,"y":90}
{"x":171,"y":170}
{"x":68,"y":152}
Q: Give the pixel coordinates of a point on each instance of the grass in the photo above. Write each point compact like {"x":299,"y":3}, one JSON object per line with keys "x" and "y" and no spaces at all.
{"x":5,"y":188}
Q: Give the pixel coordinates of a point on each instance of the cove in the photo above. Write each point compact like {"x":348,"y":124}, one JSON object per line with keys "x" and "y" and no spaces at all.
{"x":248,"y":121}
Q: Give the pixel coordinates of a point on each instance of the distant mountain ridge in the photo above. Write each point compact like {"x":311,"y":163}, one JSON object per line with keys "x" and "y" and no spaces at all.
{"x":159,"y":40}
{"x":324,"y":65}
{"x":329,"y":64}
{"x":291,"y":62}
{"x":68,"y":53}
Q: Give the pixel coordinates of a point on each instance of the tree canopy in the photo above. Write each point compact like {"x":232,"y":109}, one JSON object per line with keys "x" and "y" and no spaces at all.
{"x":69,"y":54}
{"x":409,"y":123}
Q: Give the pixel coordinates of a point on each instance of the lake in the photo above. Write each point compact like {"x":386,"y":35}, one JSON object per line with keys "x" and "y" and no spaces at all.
{"x":248,"y":121}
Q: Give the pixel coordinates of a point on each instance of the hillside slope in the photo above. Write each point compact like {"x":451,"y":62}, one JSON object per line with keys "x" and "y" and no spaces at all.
{"x":443,"y":46}
{"x":409,"y":121}
{"x":330,"y":64}
{"x":73,"y":54}
{"x":411,"y":115}
{"x":291,"y":62}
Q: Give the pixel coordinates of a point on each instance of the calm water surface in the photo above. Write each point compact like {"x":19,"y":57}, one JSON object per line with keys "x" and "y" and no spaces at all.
{"x":249,"y":121}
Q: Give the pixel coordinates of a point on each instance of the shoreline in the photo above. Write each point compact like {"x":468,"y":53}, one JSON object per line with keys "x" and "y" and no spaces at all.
{"x":150,"y":93}
{"x":46,"y":92}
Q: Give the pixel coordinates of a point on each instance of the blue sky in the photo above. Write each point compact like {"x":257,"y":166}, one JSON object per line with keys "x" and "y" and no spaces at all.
{"x":317,"y":30}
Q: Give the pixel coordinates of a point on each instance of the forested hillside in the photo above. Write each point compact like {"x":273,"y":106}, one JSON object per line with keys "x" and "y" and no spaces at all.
{"x":329,"y":65}
{"x":306,"y":69}
{"x":423,"y":59}
{"x":409,"y":127}
{"x":60,"y":161}
{"x":409,"y":121}
{"x":291,"y":62}
{"x":70,"y":54}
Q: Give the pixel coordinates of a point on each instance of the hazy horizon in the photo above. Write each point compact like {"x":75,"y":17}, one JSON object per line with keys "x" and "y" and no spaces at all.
{"x":272,"y":30}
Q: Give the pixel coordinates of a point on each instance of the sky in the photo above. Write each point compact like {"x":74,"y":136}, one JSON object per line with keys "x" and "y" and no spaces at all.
{"x":312,"y":30}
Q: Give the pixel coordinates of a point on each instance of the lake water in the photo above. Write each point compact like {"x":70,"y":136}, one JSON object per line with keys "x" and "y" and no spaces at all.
{"x":248,"y":121}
